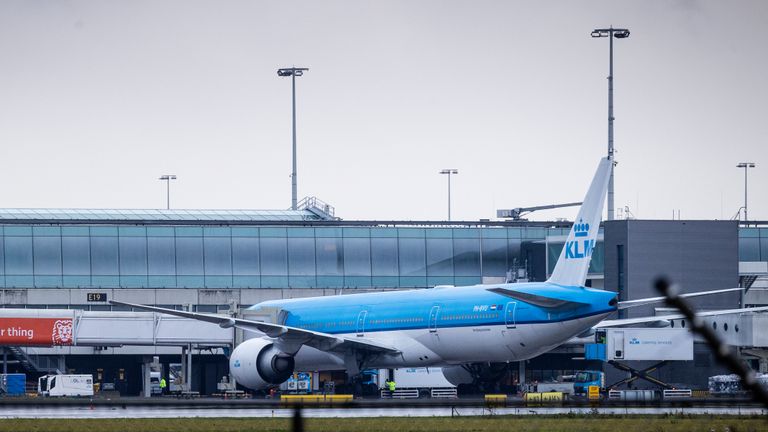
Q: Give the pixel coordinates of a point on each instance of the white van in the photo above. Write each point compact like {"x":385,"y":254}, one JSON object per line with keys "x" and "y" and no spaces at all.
{"x":154,"y":383}
{"x":65,"y":385}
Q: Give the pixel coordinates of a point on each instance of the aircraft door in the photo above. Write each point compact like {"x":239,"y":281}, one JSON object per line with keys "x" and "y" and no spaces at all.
{"x":618,"y":344}
{"x":509,"y":316}
{"x":433,"y":318}
{"x":361,"y":322}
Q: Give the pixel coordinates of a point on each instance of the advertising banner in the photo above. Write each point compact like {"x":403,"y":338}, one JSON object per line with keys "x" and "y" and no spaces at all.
{"x":36,"y":331}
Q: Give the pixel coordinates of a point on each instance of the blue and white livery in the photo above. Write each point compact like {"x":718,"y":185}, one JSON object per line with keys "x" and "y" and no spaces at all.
{"x":444,"y":326}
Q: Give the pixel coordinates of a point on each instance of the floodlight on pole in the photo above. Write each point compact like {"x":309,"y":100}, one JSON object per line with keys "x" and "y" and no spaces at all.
{"x":293,"y":72}
{"x":167,"y":178}
{"x":449,"y":171}
{"x":746,"y":166}
{"x":610,"y":33}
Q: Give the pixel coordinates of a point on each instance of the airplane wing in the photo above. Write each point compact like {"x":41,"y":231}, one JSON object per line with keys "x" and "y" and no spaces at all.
{"x":663,"y":320}
{"x":562,"y":298}
{"x":651,"y":300}
{"x":289,"y":335}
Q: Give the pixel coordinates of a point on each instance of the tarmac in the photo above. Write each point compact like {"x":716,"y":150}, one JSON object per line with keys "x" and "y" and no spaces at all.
{"x":71,"y":408}
{"x":81,"y":412}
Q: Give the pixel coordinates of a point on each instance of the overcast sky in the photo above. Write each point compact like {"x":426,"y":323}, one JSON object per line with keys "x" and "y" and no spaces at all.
{"x":99,"y":98}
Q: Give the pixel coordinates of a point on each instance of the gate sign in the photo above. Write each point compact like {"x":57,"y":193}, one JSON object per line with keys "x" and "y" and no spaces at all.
{"x":36,"y":331}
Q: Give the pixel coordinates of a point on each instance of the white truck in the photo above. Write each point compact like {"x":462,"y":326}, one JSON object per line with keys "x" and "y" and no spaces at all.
{"x":417,"y":382}
{"x":65,"y":385}
{"x":154,"y":383}
{"x":648,"y":344}
{"x":563,"y":384}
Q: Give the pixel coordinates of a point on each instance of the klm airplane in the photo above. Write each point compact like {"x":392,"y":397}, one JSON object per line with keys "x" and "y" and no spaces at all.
{"x":452,"y":327}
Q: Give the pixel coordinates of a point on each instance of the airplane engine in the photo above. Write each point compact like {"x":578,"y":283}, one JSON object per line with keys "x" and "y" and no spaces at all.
{"x":258,"y":365}
{"x":457,"y":375}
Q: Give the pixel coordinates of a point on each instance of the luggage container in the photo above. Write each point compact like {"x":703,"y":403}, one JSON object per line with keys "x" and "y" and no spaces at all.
{"x":13,"y":384}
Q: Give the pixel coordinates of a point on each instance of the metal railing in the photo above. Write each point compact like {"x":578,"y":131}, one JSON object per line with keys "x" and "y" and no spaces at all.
{"x":444,"y":393}
{"x":677,"y":393}
{"x":318,"y":207}
{"x":33,"y":363}
{"x":400,"y":394}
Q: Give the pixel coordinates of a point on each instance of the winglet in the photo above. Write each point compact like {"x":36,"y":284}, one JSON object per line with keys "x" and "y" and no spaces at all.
{"x":573,"y":263}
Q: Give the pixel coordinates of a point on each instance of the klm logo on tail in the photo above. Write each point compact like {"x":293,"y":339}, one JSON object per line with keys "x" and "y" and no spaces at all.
{"x":579,"y":248}
{"x":573,"y":264}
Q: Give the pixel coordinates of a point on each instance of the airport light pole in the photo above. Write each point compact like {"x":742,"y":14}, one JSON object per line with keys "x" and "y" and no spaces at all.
{"x":293,"y":72}
{"x":746,"y":166}
{"x":167,"y":178}
{"x":449,"y":171}
{"x":610,"y":33}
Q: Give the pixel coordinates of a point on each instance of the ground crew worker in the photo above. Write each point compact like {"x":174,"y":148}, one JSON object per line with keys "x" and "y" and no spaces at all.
{"x":163,"y":385}
{"x":392,"y":387}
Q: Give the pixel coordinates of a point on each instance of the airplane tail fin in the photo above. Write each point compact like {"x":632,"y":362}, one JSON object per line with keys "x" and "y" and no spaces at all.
{"x":573,"y":263}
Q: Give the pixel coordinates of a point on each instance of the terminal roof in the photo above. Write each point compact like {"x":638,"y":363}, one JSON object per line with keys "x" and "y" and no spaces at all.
{"x":162,"y":215}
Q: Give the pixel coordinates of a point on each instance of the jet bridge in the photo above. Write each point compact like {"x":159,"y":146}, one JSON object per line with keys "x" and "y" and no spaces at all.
{"x":52,"y":327}
{"x":62,"y":332}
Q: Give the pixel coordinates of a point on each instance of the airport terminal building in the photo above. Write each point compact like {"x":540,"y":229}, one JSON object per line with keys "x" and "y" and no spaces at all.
{"x":258,"y":251}
{"x":224,"y":261}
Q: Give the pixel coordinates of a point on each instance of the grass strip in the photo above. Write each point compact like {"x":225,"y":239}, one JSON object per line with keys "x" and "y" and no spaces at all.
{"x":400,"y":424}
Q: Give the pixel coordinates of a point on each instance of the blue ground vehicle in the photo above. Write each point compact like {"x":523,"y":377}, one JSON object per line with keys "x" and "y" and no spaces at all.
{"x":584,"y":379}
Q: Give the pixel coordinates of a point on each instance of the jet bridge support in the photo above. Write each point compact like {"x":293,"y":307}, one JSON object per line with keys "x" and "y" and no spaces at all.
{"x":186,"y":367}
{"x":146,"y":384}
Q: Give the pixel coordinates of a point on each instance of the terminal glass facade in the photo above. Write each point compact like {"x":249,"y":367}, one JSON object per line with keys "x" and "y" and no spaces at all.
{"x":753,"y":244}
{"x":136,"y":256}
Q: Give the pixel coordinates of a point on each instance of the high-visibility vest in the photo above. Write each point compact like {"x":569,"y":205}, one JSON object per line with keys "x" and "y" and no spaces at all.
{"x":162,"y":383}
{"x":392,"y":386}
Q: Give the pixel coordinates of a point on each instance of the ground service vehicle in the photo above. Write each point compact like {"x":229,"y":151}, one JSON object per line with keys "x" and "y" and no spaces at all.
{"x":418,"y":382}
{"x":584,"y":379}
{"x":564,"y":385}
{"x":65,"y":385}
{"x":154,"y":383}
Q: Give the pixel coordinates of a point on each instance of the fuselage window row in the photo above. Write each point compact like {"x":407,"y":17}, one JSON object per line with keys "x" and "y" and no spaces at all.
{"x":375,"y":322}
